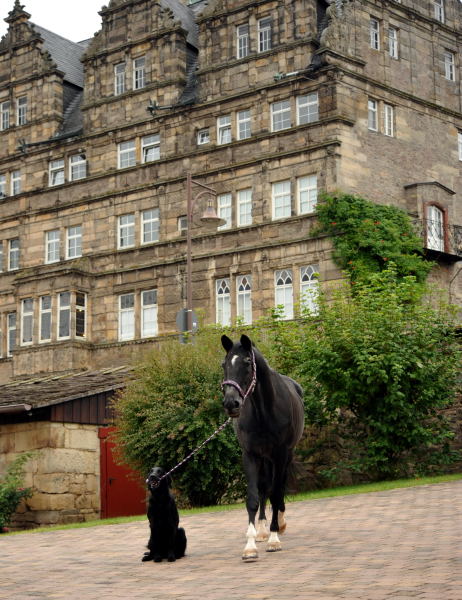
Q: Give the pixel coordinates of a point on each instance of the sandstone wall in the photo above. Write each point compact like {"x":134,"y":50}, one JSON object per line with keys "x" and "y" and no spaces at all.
{"x":65,"y":473}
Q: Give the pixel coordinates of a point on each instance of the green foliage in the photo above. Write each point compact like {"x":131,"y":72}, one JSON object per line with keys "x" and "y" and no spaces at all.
{"x":385,"y":363}
{"x":11,"y":488}
{"x":367,"y":236}
{"x":171,"y":407}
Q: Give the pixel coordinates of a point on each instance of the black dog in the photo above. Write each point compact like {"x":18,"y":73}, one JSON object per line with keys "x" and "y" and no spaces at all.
{"x":167,"y":539}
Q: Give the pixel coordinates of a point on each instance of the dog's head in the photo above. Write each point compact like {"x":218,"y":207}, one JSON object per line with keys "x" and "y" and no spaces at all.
{"x":156,"y":479}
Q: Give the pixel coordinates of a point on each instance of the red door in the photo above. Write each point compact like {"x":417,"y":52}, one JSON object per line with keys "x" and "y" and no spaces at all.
{"x":123,"y":492}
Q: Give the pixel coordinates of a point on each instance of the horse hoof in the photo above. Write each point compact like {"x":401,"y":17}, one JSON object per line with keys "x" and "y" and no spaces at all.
{"x":250,"y":556}
{"x":274,"y":547}
{"x":262,"y":537}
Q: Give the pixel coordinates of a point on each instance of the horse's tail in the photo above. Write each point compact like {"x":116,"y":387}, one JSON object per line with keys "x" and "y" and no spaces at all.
{"x":294,"y":472}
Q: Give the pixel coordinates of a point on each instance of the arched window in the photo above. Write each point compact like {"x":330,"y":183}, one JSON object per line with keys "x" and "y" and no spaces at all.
{"x":435,"y":228}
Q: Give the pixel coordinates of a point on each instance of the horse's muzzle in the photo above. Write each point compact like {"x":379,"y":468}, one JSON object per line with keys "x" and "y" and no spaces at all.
{"x":232,"y":405}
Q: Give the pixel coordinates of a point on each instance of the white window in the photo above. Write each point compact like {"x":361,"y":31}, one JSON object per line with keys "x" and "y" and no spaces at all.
{"x":459,"y":144}
{"x":5,"y":108}
{"x":244,"y":298}
{"x":74,"y":242}
{"x":13,"y":254}
{"x":2,"y":186}
{"x":127,"y":317}
{"x":80,"y":314}
{"x":11,"y":339}
{"x":21,"y":111}
{"x":52,"y":246}
{"x":149,"y":313}
{"x":224,"y":206}
{"x":1,"y":257}
{"x":281,"y":196}
{"x":139,"y":74}
{"x":64,"y":315}
{"x":150,"y":148}
{"x":284,"y":292}
{"x":307,"y":108}
{"x":15,"y":183}
{"x":56,"y":172}
{"x":126,"y":228}
{"x":438,"y":10}
{"x":449,"y":66}
{"x":264,"y":34}
{"x":77,"y":167}
{"x":242,"y":39}
{"x":388,"y":120}
{"x":223,"y":301}
{"x":435,"y":228}
{"x":45,"y":319}
{"x":243,"y":124}
{"x":126,"y":154}
{"x":244,"y":207}
{"x":393,"y":42}
{"x":307,"y":194}
{"x":203,"y":136}
{"x":224,"y":129}
{"x":119,"y":78}
{"x":309,"y":288}
{"x":27,"y":321}
{"x":374,"y":31}
{"x":150,"y":226}
{"x":372,"y":122}
{"x":182,"y":224}
{"x":280,"y":115}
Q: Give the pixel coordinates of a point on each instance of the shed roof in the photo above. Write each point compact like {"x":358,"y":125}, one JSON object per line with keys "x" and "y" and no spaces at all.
{"x":52,"y":389}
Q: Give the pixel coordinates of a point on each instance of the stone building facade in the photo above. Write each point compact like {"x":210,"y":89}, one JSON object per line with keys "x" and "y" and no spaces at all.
{"x":267,"y":102}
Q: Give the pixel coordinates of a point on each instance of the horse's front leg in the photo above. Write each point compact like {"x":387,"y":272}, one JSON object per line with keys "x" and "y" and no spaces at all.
{"x":278,"y":523}
{"x":251,"y":471}
{"x":264,"y":484}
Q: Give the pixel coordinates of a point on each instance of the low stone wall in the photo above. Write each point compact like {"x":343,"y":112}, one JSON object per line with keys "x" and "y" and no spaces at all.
{"x":65,"y":474}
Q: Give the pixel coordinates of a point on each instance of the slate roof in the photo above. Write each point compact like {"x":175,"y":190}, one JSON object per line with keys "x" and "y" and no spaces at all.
{"x":185,"y":15}
{"x":57,"y":388}
{"x":65,"y":54}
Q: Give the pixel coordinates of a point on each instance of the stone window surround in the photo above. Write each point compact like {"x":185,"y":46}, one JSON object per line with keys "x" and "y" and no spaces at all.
{"x":36,"y":317}
{"x":127,"y":70}
{"x":384,"y":117}
{"x":74,"y":161}
{"x":140,"y":218}
{"x":131,"y":316}
{"x":294,"y":192}
{"x":137,"y":149}
{"x":13,"y":112}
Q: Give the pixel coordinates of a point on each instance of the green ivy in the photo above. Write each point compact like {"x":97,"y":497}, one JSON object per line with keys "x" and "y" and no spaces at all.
{"x":368,"y":236}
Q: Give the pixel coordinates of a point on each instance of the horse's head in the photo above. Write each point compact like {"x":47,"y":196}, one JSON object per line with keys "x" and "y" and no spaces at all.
{"x":239,"y":373}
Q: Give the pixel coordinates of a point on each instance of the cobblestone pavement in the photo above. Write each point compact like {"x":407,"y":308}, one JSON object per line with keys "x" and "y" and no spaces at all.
{"x":386,"y":545}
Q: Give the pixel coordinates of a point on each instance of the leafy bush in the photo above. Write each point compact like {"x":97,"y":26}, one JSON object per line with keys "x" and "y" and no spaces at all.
{"x":171,"y":407}
{"x":367,"y":236}
{"x":385,"y":363}
{"x":11,"y":488}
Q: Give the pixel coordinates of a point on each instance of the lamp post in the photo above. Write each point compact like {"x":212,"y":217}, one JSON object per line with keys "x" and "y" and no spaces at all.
{"x":209,"y":216}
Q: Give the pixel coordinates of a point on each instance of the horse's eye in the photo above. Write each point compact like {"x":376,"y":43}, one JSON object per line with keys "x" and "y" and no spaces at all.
{"x":247,"y":360}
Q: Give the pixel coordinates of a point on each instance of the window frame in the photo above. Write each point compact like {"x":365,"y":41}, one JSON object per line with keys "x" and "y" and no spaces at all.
{"x":265,"y":34}
{"x":243,"y":124}
{"x":80,"y":311}
{"x":449,"y":59}
{"x":308,"y":189}
{"x":150,"y":143}
{"x":242,"y":40}
{"x":77,"y":165}
{"x":5,"y":115}
{"x":203,"y":136}
{"x":15,"y":183}
{"x":372,"y":126}
{"x":11,"y":332}
{"x":284,"y":291}
{"x":439,"y":10}
{"x":224,"y":130}
{"x":374,"y":33}
{"x":3,"y":186}
{"x":73,"y":241}
{"x":52,"y":246}
{"x":388,"y":120}
{"x":126,"y":152}
{"x":309,"y":288}
{"x":130,"y":311}
{"x":119,"y":78}
{"x":244,"y":298}
{"x":21,"y":111}
{"x":311,"y":115}
{"x":150,"y":221}
{"x":393,"y":43}
{"x":62,"y":310}
{"x":13,"y":254}
{"x":279,"y":112}
{"x":145,"y":307}
{"x":244,"y":207}
{"x":225,"y":210}
{"x":223,"y":301}
{"x":45,"y":312}
{"x":139,"y":73}
{"x":126,"y":231}
{"x":276,"y":196}
{"x":56,"y":172}
{"x":29,"y":315}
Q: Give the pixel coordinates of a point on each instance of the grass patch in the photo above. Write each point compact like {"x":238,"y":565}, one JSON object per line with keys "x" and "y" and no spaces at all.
{"x":367,"y":488}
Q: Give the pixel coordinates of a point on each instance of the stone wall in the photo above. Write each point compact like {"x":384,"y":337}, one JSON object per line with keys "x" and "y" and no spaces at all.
{"x":65,"y":473}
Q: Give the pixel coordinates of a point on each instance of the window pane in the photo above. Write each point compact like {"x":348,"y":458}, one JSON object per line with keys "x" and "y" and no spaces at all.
{"x":150,"y":225}
{"x":280,"y":112}
{"x":223,"y":302}
{"x":307,"y":194}
{"x":281,"y":200}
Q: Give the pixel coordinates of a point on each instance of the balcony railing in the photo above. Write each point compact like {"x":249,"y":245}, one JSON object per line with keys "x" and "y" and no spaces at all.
{"x":440,"y":238}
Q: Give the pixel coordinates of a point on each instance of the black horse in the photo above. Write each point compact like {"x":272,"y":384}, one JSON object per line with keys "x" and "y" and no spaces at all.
{"x":268,"y":413}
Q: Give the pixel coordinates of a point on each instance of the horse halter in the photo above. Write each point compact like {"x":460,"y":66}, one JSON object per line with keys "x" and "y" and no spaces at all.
{"x":252,"y":384}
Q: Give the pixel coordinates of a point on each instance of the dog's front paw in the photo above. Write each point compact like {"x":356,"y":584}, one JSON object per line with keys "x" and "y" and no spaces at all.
{"x":146,"y":556}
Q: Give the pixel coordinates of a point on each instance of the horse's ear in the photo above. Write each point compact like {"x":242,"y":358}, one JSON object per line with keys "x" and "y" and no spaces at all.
{"x":246,"y":342}
{"x":226,"y":343}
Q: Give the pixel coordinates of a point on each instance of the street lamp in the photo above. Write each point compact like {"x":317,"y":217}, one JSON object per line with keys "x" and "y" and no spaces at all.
{"x":209,"y":216}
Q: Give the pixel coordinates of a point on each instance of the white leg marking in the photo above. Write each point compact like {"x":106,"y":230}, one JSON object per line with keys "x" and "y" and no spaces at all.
{"x":250,"y":550}
{"x":262,"y":531}
{"x":281,"y":522}
{"x":273,"y":543}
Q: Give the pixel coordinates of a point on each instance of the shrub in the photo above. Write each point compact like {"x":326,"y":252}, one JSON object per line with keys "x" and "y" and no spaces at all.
{"x":171,"y":407}
{"x":11,"y":488}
